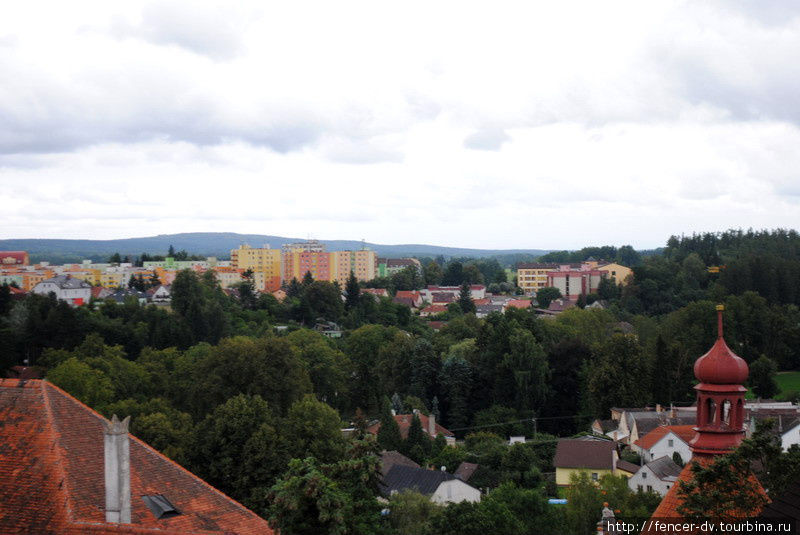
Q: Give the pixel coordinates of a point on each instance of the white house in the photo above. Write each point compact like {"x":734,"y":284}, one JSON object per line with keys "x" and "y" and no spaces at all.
{"x":656,"y":476}
{"x":455,"y":491}
{"x":442,"y":487}
{"x":73,"y":291}
{"x":665,"y":440}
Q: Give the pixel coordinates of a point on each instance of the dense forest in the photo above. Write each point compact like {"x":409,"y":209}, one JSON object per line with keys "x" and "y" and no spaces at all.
{"x":257,"y":411}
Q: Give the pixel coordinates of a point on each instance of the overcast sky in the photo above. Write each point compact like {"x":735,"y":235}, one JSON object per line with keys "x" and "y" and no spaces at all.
{"x":486,"y":124}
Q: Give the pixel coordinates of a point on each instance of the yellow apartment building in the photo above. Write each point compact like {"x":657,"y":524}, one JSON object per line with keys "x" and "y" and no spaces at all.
{"x":532,"y":276}
{"x":362,"y":263}
{"x":263,"y":261}
{"x":616,"y":272}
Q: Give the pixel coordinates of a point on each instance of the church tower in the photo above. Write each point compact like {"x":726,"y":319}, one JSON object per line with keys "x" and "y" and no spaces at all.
{"x":720,"y":414}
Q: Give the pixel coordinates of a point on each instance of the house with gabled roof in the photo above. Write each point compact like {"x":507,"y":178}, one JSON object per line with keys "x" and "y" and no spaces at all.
{"x":656,"y":476}
{"x":429,"y":424}
{"x":440,"y":486}
{"x":64,"y":469}
{"x":665,"y":440}
{"x":596,"y":456}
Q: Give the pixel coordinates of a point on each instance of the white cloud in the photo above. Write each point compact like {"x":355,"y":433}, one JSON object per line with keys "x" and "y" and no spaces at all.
{"x":595,"y":123}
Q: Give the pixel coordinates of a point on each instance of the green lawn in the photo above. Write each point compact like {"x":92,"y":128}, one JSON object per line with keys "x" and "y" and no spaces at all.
{"x":788,"y":381}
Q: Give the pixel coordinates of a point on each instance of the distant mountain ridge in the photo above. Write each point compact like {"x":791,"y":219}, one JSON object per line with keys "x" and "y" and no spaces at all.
{"x":219,"y":244}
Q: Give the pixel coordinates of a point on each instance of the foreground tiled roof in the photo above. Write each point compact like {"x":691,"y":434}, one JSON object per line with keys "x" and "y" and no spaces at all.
{"x":668,"y":508}
{"x":52,"y":474}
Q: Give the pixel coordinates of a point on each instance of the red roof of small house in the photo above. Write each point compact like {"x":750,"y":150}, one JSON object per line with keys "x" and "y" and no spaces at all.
{"x":519,"y":303}
{"x":435,"y":309}
{"x":404,"y":423}
{"x":411,"y":294}
{"x":13,"y":290}
{"x":684,"y":432}
{"x":52,"y":474}
{"x":13,"y":258}
{"x":579,"y":453}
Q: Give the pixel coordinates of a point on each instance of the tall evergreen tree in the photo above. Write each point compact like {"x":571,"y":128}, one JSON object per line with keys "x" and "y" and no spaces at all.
{"x":293,"y":289}
{"x":417,"y":445}
{"x":389,"y":432}
{"x":465,"y":299}
{"x":352,"y":291}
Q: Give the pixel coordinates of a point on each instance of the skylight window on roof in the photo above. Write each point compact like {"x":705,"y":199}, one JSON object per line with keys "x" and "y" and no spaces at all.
{"x":160,"y":506}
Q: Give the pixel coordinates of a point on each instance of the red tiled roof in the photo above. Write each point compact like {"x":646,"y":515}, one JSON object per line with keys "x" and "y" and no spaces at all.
{"x":404,"y":423}
{"x":519,"y":303}
{"x":13,"y":258}
{"x":684,"y":432}
{"x":52,"y":474}
{"x":668,"y":508}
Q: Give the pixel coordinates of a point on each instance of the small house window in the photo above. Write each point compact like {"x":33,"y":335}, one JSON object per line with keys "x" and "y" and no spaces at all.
{"x":644,"y":475}
{"x":594,"y":476}
{"x":649,"y":488}
{"x":639,"y":488}
{"x":671,"y":443}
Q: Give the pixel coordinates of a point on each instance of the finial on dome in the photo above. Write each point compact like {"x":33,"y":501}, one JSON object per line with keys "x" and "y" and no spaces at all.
{"x":720,"y":308}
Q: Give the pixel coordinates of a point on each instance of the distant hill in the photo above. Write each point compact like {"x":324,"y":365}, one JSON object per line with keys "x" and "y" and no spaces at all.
{"x":219,"y":244}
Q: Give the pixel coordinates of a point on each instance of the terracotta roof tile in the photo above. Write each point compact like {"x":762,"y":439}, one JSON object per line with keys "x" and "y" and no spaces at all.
{"x":51,"y":474}
{"x":684,"y":432}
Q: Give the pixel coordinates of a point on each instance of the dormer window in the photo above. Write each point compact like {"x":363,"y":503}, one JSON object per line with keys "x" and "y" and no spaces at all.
{"x":160,"y":506}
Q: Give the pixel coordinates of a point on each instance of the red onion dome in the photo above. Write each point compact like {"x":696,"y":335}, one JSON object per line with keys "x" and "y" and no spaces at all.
{"x":720,"y":365}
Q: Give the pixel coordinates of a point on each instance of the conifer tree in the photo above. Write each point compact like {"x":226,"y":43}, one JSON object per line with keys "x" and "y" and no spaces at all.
{"x":417,"y":445}
{"x":352,"y":290}
{"x":389,"y":433}
{"x":465,"y":299}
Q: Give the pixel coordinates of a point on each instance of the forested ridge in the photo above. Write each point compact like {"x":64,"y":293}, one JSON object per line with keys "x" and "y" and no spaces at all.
{"x":212,"y":383}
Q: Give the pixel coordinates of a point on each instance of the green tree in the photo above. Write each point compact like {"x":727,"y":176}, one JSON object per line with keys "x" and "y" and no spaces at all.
{"x":337,"y":499}
{"x":411,"y":513}
{"x":545,"y":296}
{"x":762,"y":377}
{"x":465,"y":300}
{"x":329,"y":369}
{"x":230,"y":438}
{"x":417,"y":445}
{"x":314,"y":429}
{"x":389,"y":437}
{"x":616,"y":375}
{"x":352,"y":291}
{"x":432,"y":272}
{"x":525,"y":371}
{"x":89,"y":385}
{"x":253,"y":366}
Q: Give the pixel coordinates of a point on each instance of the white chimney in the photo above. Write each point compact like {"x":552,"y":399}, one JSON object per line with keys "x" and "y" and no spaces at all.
{"x":117,"y":470}
{"x":432,"y":425}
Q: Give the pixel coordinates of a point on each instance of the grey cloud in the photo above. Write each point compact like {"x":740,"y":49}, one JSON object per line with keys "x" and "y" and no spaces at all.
{"x":212,"y":32}
{"x":486,"y":139}
{"x":51,"y":117}
{"x":767,"y":12}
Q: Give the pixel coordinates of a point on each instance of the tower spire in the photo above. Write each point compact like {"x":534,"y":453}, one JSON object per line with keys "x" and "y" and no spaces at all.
{"x":720,"y":397}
